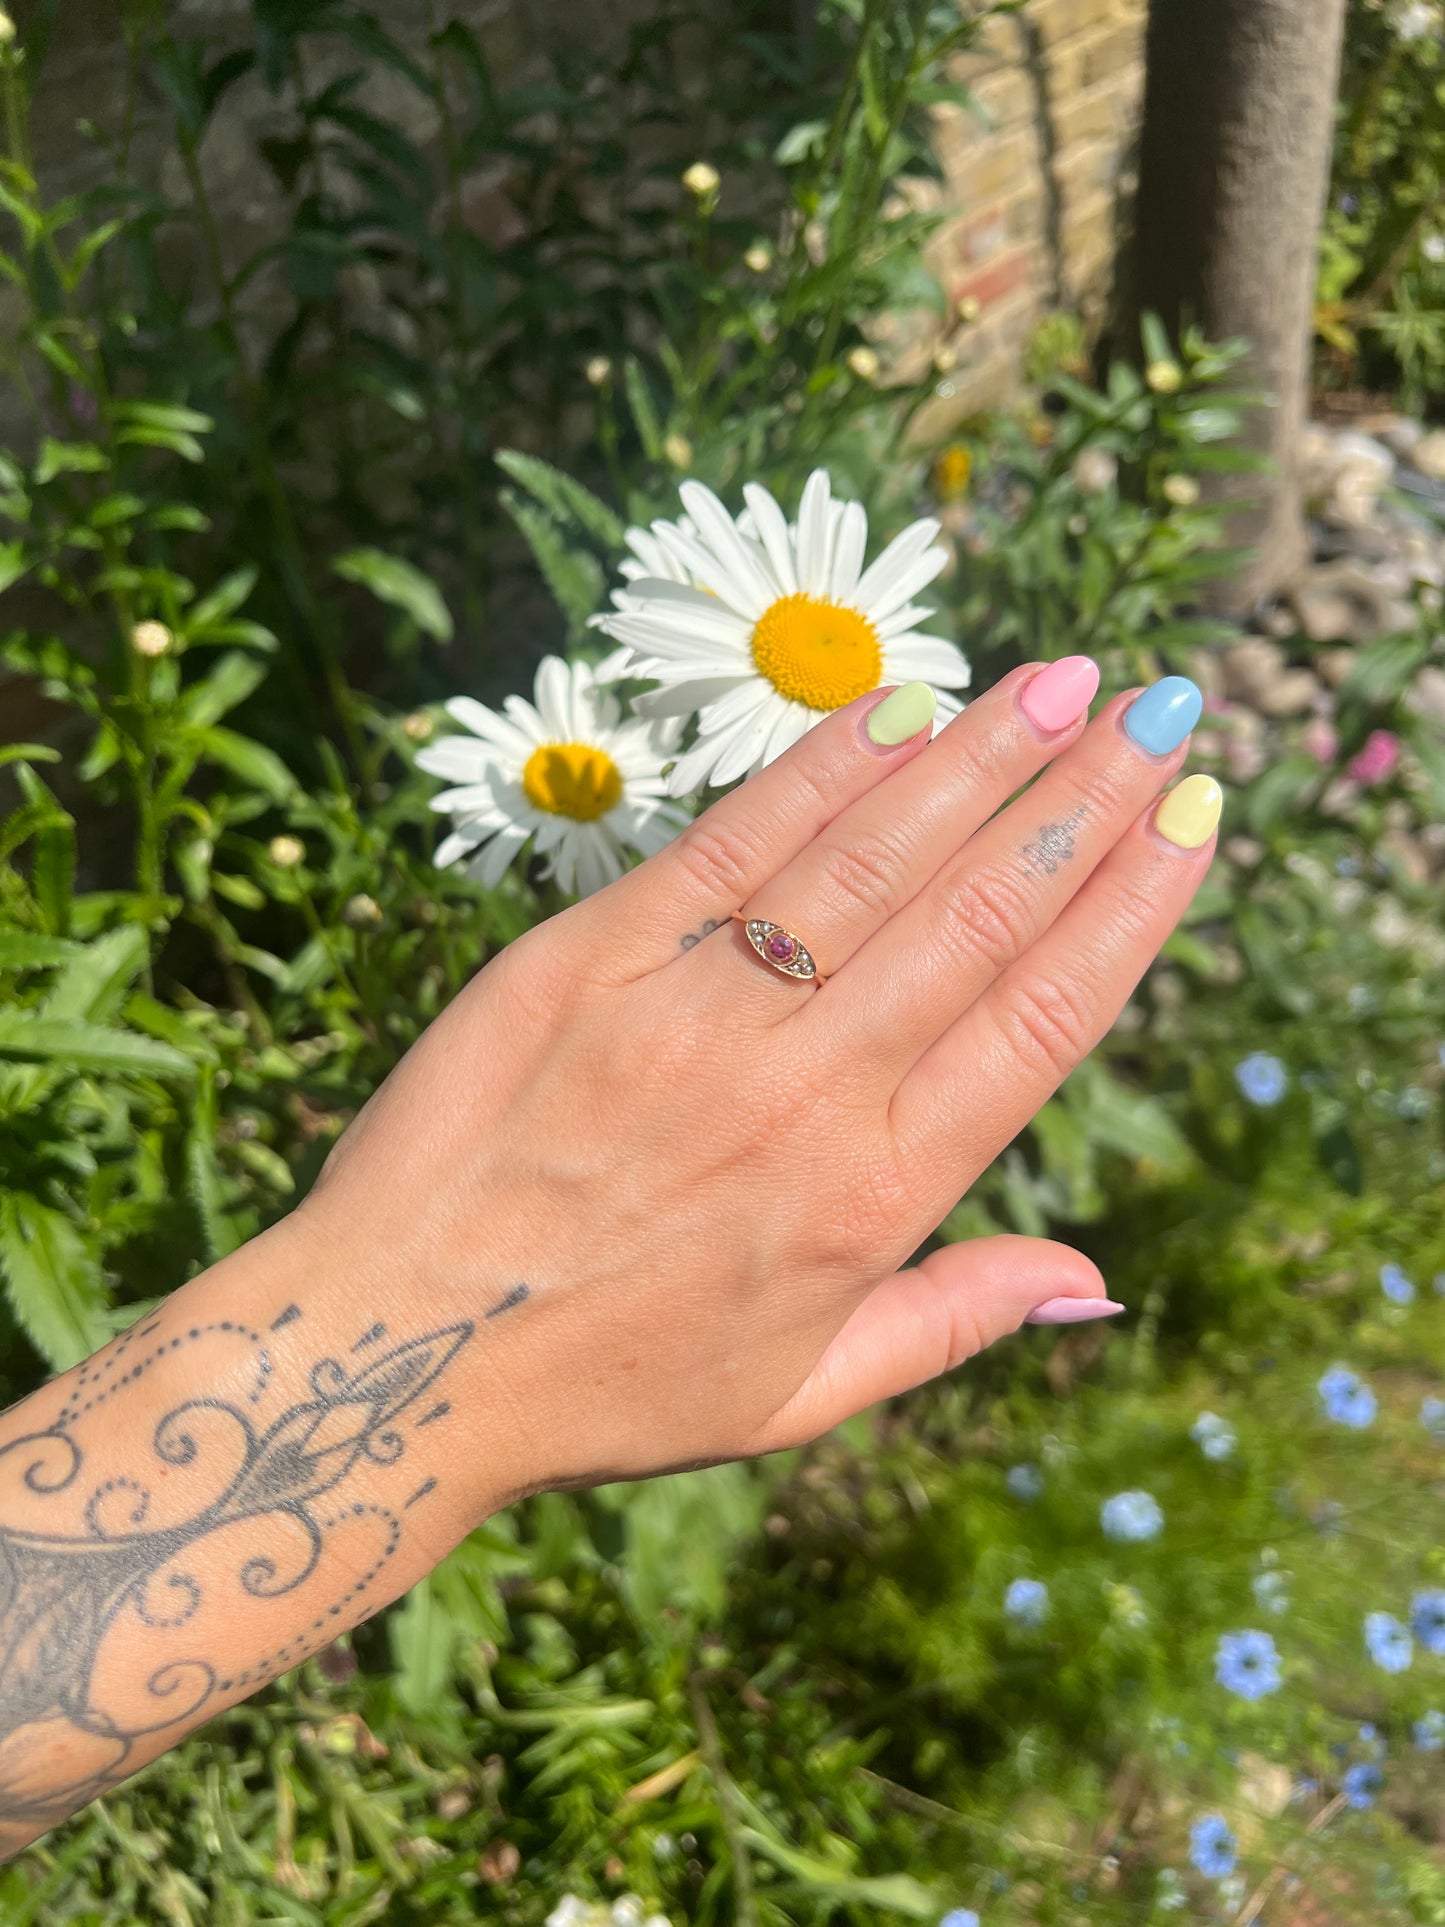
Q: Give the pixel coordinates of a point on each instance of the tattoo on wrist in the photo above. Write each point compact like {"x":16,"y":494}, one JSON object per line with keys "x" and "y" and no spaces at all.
{"x":115,"y":1626}
{"x":695,"y":937}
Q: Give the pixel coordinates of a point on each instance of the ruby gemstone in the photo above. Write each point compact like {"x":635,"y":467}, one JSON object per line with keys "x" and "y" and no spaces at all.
{"x":781,"y":947}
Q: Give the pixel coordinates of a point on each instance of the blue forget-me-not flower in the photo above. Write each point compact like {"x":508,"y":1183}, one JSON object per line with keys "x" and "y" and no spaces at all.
{"x":1263,"y":1079}
{"x":1388,"y":1642}
{"x":1213,"y":1849}
{"x":1027,"y":1601}
{"x":1247,"y":1663}
{"x":1347,"y":1399}
{"x":1131,"y":1516}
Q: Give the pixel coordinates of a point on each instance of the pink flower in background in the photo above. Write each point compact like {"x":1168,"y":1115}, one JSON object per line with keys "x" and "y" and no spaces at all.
{"x":1379,"y":759}
{"x":1321,"y":740}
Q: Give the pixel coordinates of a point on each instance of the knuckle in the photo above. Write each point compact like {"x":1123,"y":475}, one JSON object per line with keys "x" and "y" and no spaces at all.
{"x":986,"y":913}
{"x":1047,"y":1023}
{"x":862,"y":1235}
{"x":725,"y":862}
{"x":864,"y":874}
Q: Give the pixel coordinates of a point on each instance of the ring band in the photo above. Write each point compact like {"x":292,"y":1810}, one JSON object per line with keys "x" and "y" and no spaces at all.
{"x":779,"y":948}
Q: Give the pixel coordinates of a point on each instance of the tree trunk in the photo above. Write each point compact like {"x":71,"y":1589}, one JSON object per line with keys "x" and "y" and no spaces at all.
{"x":1234,"y":167}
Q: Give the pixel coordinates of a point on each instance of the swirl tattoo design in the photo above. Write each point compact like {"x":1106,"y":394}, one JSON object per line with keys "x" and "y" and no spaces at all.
{"x":268,"y":1496}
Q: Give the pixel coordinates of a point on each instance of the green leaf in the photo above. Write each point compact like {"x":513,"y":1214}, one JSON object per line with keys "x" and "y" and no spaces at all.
{"x":573,"y":575}
{"x":682,"y":1535}
{"x":25,"y":950}
{"x":13,"y":564}
{"x":68,"y":458}
{"x":565,"y":497}
{"x":94,"y":982}
{"x":423,"y":1640}
{"x":402,"y":585}
{"x":232,"y":680}
{"x":224,"y":600}
{"x":262,"y":768}
{"x":53,"y":1280}
{"x":1131,"y":1123}
{"x":644,"y":409}
{"x":28,"y":1039}
{"x":205,"y":1183}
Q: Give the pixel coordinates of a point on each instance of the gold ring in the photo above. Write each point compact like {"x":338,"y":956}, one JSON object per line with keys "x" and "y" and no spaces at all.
{"x":780,"y":948}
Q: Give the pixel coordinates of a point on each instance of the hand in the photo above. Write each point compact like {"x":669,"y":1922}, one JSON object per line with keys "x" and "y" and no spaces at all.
{"x":673,"y":1187}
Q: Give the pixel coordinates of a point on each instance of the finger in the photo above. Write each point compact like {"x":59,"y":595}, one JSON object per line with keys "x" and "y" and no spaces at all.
{"x":877,"y":854}
{"x":695,"y":884}
{"x":974,"y":1089}
{"x":1007,"y":884}
{"x":924,"y":1321}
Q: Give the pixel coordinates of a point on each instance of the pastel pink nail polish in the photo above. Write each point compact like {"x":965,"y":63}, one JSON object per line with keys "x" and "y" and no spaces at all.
{"x":1060,"y":694}
{"x":1071,"y":1311}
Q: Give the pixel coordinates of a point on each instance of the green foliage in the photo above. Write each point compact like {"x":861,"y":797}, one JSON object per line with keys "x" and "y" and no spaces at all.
{"x":260,"y":520}
{"x":1381,"y":306}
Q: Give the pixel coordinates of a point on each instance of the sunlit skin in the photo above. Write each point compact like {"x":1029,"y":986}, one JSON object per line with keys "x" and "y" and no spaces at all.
{"x":637,"y":1200}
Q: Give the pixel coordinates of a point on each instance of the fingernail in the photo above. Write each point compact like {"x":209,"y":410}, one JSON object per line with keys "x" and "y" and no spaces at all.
{"x":1189,"y":815}
{"x":1163,"y":716}
{"x":1060,"y":694}
{"x":902,"y":714}
{"x":1071,"y":1311}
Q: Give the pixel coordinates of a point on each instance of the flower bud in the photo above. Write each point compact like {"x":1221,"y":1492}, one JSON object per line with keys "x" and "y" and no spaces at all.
{"x":419,"y":727}
{"x":286,"y":851}
{"x":702,"y":179}
{"x":1164,"y":377}
{"x":7,"y":28}
{"x":599,"y":367}
{"x":759,"y":257}
{"x":864,"y":363}
{"x":1181,"y":490}
{"x":151,"y":639}
{"x":970,"y":308}
{"x":362,"y":912}
{"x":1095,"y":471}
{"x":678,"y":450}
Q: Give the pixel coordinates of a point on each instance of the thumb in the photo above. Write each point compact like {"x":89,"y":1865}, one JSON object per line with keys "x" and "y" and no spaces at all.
{"x":928,"y":1319}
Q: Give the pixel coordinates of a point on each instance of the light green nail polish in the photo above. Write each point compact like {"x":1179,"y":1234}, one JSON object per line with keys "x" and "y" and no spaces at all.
{"x":902,"y":714}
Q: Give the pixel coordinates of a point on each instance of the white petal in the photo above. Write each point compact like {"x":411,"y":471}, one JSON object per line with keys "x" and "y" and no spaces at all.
{"x":948,"y":707}
{"x":746,"y":700}
{"x":744,"y":561}
{"x":710,"y":570}
{"x":902,"y":552}
{"x":744,"y":750}
{"x":690,"y":771}
{"x":773,"y":532}
{"x":926,"y":658}
{"x":849,"y":544}
{"x":528,"y":724}
{"x":491,"y":864}
{"x":454,"y":846}
{"x":814,"y":533}
{"x":461,"y":759}
{"x":553,"y":697}
{"x":681,"y":699}
{"x":916,"y":576}
{"x":613,"y":666}
{"x":517,"y":738}
{"x":706,"y":625}
{"x":794,"y":721}
{"x":471,"y":800}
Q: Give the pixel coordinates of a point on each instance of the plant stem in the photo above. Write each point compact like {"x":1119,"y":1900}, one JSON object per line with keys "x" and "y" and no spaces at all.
{"x":745,"y":1913}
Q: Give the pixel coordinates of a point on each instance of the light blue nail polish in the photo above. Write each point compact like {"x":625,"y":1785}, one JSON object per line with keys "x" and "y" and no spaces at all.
{"x":1163,"y":716}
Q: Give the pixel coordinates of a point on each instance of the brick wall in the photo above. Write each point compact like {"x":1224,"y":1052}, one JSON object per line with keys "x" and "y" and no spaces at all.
{"x":1037,"y":169}
{"x":1038,"y":178}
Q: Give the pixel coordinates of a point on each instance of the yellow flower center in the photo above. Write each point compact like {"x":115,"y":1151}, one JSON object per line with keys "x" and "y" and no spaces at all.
{"x":819,"y":653}
{"x":572,"y":779}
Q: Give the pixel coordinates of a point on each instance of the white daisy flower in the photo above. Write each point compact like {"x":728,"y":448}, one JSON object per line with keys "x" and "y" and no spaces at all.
{"x":764,"y":627}
{"x":564,"y":773}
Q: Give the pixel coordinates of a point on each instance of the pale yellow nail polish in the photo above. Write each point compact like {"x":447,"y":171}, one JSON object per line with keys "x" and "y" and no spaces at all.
{"x":901,"y":715}
{"x":1189,"y":815}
